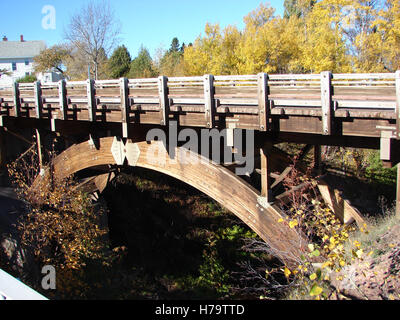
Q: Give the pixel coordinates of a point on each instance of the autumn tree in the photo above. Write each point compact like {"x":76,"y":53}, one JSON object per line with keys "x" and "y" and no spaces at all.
{"x":388,"y":29}
{"x":325,"y":48}
{"x":297,"y":8}
{"x":94,"y":31}
{"x":52,"y":59}
{"x":119,"y":63}
{"x":215,"y":52}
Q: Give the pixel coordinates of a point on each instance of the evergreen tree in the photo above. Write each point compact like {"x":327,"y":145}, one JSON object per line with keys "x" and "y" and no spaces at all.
{"x":142,"y":65}
{"x":119,"y":63}
{"x":175,"y":47}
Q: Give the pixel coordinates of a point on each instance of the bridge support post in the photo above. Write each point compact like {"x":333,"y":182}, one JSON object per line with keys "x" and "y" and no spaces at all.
{"x":39,"y":149}
{"x":3,"y":153}
{"x":266,"y":191}
{"x":398,"y":193}
{"x":317,"y":158}
{"x":16,"y":97}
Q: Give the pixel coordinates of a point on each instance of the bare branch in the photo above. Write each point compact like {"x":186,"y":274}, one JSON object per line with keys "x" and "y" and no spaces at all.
{"x":95,"y":31}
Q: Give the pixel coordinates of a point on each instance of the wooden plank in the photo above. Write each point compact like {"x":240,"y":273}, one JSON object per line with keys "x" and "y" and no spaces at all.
{"x":62,"y":96}
{"x":363,"y":76}
{"x":91,"y":101}
{"x":294,"y":76}
{"x":263,"y":103}
{"x":38,"y":99}
{"x":16,"y":98}
{"x":326,"y":102}
{"x":366,"y":104}
{"x":164,"y":103}
{"x":236,"y":77}
{"x":209,"y":105}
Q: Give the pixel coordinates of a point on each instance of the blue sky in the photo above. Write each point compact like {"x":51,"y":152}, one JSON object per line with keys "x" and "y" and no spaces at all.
{"x":152,"y":23}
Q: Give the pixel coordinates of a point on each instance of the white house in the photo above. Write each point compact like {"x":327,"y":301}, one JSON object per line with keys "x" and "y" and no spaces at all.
{"x":17,"y":58}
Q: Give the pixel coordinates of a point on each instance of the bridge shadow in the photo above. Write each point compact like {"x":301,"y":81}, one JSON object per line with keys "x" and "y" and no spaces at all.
{"x":166,"y":226}
{"x":371,"y":198}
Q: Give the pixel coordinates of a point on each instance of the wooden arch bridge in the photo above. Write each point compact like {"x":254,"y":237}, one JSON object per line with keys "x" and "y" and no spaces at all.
{"x":106,"y":122}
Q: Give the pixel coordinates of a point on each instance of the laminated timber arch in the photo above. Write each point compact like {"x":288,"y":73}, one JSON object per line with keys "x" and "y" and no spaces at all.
{"x":214,"y":180}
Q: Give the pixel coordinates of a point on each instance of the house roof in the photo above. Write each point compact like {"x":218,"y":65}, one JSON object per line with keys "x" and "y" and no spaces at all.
{"x":18,"y":49}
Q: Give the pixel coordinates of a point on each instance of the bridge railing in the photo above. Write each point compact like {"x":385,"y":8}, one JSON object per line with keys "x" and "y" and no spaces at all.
{"x":13,"y":289}
{"x":249,"y":100}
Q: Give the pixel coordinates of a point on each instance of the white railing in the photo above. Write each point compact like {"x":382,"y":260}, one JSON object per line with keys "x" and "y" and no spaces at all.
{"x":13,"y":289}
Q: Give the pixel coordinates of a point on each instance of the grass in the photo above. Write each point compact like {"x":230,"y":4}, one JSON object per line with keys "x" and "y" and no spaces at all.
{"x":371,"y":237}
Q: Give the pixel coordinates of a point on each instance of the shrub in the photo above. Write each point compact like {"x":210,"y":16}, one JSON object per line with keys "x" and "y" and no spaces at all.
{"x":60,"y":227}
{"x":27,"y":79}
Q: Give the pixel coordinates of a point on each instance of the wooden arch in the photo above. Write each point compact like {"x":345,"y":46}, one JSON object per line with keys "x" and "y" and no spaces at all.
{"x":214,"y":180}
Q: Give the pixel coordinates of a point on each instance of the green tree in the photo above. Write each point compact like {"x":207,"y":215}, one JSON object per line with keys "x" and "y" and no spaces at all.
{"x":175,"y":46}
{"x":142,"y":66}
{"x":119,"y":63}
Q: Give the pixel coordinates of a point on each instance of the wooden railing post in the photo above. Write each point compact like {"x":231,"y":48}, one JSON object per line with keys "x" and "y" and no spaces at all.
{"x":263,"y":102}
{"x":124,"y":106}
{"x":17,"y":101}
{"x":397,"y":104}
{"x":38,"y":99}
{"x":62,"y":95}
{"x":209,"y":102}
{"x":398,"y":137}
{"x":91,"y":99}
{"x":326,"y":102}
{"x":164,"y":103}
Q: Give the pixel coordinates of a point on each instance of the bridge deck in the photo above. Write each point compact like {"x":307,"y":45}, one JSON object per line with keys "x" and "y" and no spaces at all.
{"x":328,"y":104}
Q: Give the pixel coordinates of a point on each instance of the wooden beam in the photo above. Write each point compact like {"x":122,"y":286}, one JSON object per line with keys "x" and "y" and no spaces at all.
{"x":289,"y":168}
{"x":266,"y":190}
{"x":17,"y":101}
{"x":209,"y":102}
{"x":125,"y":108}
{"x":342,"y":208}
{"x":326,"y":102}
{"x":164,"y":103}
{"x":317,"y":157}
{"x":90,"y":91}
{"x":38,"y":99}
{"x":39,"y":149}
{"x":62,"y":96}
{"x":263,"y":102}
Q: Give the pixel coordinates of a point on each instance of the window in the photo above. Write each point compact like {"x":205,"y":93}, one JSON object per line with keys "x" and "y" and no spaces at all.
{"x":14,"y":66}
{"x":27,"y":73}
{"x":26,"y":62}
